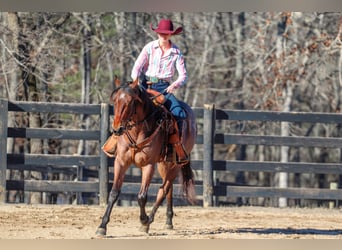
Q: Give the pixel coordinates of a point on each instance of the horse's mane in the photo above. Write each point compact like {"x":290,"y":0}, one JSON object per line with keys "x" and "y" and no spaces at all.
{"x":122,"y":86}
{"x":136,"y":90}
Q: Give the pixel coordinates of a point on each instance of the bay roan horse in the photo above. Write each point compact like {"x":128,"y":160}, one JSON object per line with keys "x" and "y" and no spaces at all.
{"x":143,"y":130}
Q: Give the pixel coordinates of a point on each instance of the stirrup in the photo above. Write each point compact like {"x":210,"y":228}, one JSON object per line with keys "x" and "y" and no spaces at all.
{"x":181,"y":155}
{"x":170,"y":154}
{"x":183,"y":161}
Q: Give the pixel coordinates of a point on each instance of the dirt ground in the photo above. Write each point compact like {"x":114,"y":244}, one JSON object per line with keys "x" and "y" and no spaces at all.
{"x":80,"y":222}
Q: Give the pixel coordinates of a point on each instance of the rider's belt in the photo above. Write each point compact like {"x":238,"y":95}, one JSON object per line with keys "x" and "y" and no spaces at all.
{"x":156,"y":80}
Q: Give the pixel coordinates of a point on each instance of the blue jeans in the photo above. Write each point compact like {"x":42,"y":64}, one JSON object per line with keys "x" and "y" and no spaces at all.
{"x":172,"y":103}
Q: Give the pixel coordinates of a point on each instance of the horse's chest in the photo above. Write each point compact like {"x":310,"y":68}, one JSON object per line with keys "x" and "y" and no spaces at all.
{"x":143,"y":150}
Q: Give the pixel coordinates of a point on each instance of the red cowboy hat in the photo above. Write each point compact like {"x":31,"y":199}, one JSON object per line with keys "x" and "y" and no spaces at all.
{"x":165,"y":26}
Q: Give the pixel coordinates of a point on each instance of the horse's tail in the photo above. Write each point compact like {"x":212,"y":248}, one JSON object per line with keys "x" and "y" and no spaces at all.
{"x":188,"y":183}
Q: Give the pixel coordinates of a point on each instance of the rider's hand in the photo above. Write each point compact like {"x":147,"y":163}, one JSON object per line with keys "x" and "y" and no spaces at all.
{"x":172,"y":88}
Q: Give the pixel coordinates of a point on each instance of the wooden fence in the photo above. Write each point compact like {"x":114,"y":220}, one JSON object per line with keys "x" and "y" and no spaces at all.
{"x":206,"y":188}
{"x":273,"y":167}
{"x":43,"y":162}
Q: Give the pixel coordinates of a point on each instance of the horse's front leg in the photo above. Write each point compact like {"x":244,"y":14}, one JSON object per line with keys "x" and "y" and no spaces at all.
{"x":119,"y":173}
{"x":113,"y":197}
{"x":147,"y":174}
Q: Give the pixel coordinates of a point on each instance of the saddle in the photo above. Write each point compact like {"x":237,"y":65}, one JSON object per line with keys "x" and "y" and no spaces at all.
{"x":158,"y":98}
{"x":173,"y":137}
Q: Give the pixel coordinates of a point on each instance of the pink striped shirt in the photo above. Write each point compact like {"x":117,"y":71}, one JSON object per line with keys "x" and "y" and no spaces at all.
{"x":154,"y":64}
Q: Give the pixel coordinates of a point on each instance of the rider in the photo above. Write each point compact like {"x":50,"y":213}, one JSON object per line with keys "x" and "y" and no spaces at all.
{"x":156,"y":64}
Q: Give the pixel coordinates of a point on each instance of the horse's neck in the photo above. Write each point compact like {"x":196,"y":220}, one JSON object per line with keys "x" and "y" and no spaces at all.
{"x":147,"y":115}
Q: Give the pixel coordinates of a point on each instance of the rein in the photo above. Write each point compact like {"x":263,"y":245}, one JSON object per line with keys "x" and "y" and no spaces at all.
{"x":137,"y":146}
{"x":130,"y":126}
{"x":147,"y":139}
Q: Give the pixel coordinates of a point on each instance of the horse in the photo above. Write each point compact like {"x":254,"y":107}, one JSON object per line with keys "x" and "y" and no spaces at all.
{"x":143,"y":127}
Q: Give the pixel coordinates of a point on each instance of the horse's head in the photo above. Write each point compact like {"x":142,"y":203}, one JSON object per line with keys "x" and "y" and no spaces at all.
{"x":125,"y":99}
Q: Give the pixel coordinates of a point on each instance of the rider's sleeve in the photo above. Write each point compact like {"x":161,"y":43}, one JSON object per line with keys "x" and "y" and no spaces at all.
{"x":181,"y":70}
{"x":139,"y":64}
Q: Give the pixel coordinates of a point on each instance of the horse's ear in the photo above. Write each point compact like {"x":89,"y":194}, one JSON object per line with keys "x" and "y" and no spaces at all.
{"x":116,"y":81}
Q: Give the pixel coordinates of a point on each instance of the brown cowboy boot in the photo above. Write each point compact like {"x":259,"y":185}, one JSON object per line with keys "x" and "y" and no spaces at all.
{"x":109,"y":148}
{"x":175,"y":140}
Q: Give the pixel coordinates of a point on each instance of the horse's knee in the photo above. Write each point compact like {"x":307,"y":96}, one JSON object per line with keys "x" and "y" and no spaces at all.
{"x":142,"y":199}
{"x":113,"y":195}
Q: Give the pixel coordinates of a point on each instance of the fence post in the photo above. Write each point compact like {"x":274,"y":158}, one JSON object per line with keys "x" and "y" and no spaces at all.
{"x":333,"y":186}
{"x":103,"y":171}
{"x":208,"y":153}
{"x":3,"y":148}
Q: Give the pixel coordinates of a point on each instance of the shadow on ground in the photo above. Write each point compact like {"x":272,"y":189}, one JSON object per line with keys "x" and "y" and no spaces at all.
{"x":290,"y":231}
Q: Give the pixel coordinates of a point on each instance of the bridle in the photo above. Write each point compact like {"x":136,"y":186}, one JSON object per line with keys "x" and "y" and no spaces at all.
{"x":131,"y":106}
{"x":127,"y":125}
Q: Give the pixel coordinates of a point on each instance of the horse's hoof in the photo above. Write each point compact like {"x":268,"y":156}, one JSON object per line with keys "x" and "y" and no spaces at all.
{"x":145,"y":228}
{"x":101,"y":232}
{"x":168,"y":226}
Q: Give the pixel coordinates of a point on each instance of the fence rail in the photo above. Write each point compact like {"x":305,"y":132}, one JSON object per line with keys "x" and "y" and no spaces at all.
{"x":207,"y":188}
{"x":58,"y":162}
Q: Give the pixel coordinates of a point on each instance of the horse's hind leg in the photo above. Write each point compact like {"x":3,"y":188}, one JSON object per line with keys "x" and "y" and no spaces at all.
{"x":169,"y":209}
{"x":168,"y":176}
{"x":163,"y":190}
